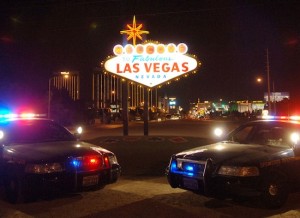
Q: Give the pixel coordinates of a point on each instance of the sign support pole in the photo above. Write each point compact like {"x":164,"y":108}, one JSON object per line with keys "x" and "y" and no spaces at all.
{"x":146,"y":112}
{"x":125,"y":107}
{"x":161,"y":67}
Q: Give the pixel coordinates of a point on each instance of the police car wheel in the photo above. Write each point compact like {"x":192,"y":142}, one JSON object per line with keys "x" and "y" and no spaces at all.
{"x":240,"y":199}
{"x":13,"y":190}
{"x":172,"y":181}
{"x":17,"y":190}
{"x":275,"y":190}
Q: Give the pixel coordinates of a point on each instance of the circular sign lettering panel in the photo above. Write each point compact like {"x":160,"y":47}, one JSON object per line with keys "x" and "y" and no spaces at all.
{"x":151,"y":64}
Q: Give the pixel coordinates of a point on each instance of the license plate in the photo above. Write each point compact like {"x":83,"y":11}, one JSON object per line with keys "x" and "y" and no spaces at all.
{"x":90,"y":180}
{"x":190,"y":183}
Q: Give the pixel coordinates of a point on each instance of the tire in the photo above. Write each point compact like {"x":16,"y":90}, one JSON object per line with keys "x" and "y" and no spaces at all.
{"x":17,"y":190}
{"x":13,"y":190}
{"x":172,"y":181}
{"x":275,"y":190}
{"x":239,"y":199}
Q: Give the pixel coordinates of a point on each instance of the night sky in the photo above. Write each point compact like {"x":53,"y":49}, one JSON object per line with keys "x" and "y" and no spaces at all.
{"x":230,"y":38}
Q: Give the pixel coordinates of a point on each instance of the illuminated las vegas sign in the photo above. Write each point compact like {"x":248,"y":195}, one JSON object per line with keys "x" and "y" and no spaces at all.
{"x":150,"y":64}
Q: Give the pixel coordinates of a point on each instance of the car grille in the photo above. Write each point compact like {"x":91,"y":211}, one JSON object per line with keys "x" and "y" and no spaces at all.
{"x":86,"y":163}
{"x":189,"y":168}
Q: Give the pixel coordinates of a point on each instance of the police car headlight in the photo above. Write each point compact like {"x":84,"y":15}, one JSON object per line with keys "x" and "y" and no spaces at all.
{"x":43,"y":168}
{"x":238,"y":171}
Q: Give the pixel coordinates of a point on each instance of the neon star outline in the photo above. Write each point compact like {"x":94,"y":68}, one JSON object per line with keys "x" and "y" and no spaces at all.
{"x":134,"y":31}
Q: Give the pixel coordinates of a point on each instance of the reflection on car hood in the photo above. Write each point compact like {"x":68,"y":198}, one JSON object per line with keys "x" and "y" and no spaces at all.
{"x":234,"y":153}
{"x":51,"y":151}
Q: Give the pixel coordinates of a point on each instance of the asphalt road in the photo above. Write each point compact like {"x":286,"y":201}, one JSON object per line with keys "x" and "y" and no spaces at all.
{"x":192,"y":128}
{"x":142,"y":190}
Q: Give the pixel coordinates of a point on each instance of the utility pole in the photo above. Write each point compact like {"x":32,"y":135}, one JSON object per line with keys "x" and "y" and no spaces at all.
{"x":268,"y":78}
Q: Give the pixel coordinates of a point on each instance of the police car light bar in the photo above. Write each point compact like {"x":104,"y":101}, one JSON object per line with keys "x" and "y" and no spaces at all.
{"x":22,"y":115}
{"x":269,"y":117}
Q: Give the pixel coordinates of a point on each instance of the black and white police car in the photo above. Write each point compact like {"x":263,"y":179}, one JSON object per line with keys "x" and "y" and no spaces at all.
{"x":258,"y":159}
{"x":39,"y":157}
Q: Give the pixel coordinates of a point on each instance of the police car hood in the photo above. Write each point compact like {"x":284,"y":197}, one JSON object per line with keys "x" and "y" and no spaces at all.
{"x":235,"y":153}
{"x":51,"y":151}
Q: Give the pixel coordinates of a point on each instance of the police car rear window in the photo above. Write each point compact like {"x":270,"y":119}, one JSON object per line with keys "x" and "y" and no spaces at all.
{"x":35,"y":132}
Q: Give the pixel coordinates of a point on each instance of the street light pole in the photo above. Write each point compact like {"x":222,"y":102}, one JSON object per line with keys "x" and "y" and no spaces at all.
{"x":49,"y":97}
{"x":274,"y":98}
{"x":268,"y":78}
{"x":64,"y":76}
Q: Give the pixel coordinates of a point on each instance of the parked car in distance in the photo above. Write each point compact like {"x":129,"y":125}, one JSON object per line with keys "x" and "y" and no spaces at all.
{"x":259,"y":159}
{"x":39,"y":157}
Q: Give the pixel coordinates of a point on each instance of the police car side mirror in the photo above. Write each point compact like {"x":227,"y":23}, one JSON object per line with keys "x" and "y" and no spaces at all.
{"x":295,"y":138}
{"x":1,"y":137}
{"x":219,"y":134}
{"x":78,"y":132}
{"x":1,"y":141}
{"x":296,"y":149}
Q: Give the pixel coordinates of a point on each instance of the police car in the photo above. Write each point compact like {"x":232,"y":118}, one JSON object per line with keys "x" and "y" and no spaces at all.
{"x":258,"y":159}
{"x":39,"y":157}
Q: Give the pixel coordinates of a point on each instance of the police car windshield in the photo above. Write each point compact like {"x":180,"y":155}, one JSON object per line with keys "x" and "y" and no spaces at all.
{"x":35,"y":132}
{"x":264,"y":133}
